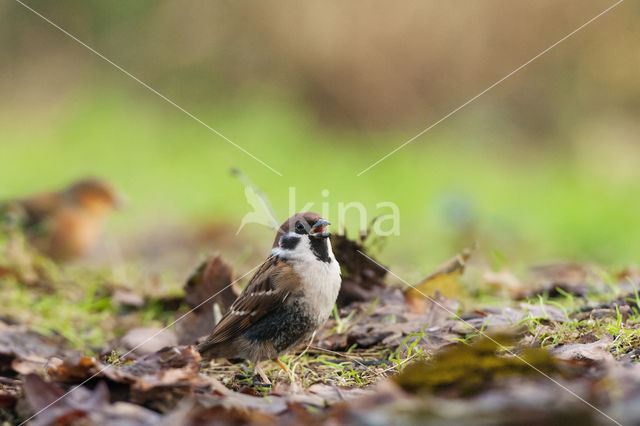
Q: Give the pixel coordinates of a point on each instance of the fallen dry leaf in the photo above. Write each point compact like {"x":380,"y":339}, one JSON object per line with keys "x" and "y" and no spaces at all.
{"x":82,"y":406}
{"x":572,"y":278}
{"x":210,"y":277}
{"x":195,"y":413}
{"x":494,"y":317}
{"x":20,"y":343}
{"x":389,"y":323}
{"x":159,"y":379}
{"x":74,"y":368}
{"x":444,"y":281}
{"x":209,"y":284}
{"x":596,"y":351}
{"x":9,"y":392}
{"x":46,"y":398}
{"x":362,"y":279}
{"x":30,"y":364}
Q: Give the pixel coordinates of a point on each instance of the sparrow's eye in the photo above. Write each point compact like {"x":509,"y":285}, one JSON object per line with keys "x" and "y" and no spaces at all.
{"x":299,"y":227}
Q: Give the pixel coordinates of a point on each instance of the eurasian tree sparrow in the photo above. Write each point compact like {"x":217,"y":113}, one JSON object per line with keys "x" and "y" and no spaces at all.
{"x":290,"y":296}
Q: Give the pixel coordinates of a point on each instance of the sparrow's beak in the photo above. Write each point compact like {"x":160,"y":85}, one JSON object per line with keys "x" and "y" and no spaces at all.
{"x":319,"y":229}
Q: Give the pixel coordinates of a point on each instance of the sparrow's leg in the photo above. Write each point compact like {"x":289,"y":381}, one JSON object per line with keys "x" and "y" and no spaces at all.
{"x":292,"y":378}
{"x":283,"y":366}
{"x":263,"y":376}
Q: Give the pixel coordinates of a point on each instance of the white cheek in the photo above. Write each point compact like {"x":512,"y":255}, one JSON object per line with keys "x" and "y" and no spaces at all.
{"x":301,"y":252}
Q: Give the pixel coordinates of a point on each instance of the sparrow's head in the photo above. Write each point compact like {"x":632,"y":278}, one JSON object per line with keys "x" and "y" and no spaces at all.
{"x":93,"y":195}
{"x":307,"y":225}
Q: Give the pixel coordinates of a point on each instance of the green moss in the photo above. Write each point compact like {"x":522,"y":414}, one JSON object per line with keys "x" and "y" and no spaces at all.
{"x":467,"y":368}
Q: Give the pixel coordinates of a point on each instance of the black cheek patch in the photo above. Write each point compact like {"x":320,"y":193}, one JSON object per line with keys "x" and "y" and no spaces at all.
{"x":289,"y":243}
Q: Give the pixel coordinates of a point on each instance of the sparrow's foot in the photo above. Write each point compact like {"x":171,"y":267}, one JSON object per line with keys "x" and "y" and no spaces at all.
{"x":262,"y":375}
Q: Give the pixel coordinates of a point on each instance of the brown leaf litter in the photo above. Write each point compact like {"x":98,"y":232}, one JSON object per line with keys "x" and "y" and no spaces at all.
{"x":159,"y":379}
{"x":81,"y":406}
{"x":573,"y":278}
{"x":22,"y":349}
{"x":388,"y":323}
{"x":362,"y":278}
{"x":456,"y":379}
{"x":442,"y":380}
{"x":208,"y":286}
{"x":443,"y":281}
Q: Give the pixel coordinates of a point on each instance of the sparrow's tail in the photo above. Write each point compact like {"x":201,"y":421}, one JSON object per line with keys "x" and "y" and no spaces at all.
{"x":208,"y":350}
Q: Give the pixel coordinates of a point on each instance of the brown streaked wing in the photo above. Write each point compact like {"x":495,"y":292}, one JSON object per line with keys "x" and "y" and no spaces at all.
{"x":267,"y":289}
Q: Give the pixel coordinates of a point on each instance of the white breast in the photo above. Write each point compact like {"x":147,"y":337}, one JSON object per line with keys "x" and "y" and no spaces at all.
{"x":321,"y":283}
{"x":321,"y":280}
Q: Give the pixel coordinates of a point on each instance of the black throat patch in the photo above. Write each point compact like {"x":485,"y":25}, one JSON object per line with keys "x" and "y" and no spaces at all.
{"x":320,"y":249}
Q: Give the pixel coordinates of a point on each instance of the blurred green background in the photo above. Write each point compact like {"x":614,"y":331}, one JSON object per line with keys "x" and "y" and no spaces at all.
{"x":544,"y":166}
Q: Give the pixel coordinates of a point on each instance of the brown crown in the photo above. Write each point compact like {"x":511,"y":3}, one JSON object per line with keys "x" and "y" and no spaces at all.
{"x":289,"y":224}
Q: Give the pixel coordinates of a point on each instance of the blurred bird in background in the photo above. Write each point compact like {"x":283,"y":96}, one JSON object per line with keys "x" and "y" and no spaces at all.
{"x":65,"y":224}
